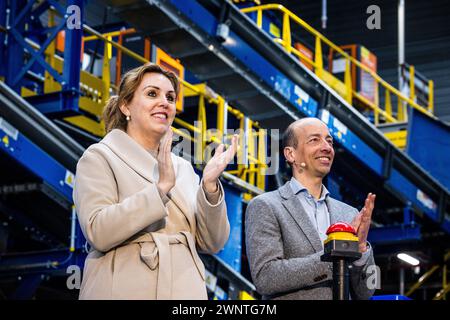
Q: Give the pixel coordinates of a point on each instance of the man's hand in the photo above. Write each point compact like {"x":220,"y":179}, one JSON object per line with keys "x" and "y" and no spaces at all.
{"x":217,"y":164}
{"x":165,"y":165}
{"x":361,"y":222}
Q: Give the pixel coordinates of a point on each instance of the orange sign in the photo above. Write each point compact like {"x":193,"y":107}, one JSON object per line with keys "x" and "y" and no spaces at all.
{"x":169,"y":63}
{"x":307,"y":53}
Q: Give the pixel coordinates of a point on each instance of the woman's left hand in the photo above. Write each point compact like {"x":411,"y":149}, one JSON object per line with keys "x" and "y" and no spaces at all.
{"x":217,"y":164}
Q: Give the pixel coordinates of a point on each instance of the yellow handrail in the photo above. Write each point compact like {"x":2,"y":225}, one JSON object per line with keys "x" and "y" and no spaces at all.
{"x":286,"y":43}
{"x":422,"y":279}
{"x":110,"y":34}
{"x":441,"y":294}
{"x":137,"y":57}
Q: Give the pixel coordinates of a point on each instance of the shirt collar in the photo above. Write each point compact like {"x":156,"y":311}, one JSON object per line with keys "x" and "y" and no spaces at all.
{"x":297,"y":187}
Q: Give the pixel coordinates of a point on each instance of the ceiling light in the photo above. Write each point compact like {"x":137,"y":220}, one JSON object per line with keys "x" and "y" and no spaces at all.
{"x":407,"y":258}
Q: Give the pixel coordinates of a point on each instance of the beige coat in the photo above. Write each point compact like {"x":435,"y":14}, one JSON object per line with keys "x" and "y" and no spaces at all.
{"x":141,"y":247}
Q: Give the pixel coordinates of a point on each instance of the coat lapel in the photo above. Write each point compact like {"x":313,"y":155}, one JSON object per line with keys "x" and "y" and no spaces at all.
{"x":296,"y":210}
{"x":179,"y":199}
{"x":134,"y":155}
{"x":144,"y":164}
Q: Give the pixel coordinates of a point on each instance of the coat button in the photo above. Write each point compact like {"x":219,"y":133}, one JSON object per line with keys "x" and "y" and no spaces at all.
{"x":320,"y":278}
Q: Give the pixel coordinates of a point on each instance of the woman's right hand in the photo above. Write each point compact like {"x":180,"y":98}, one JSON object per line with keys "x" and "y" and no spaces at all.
{"x":165,"y":166}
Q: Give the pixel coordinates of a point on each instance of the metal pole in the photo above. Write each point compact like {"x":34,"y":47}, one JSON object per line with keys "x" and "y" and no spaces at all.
{"x":402,"y":281}
{"x":324,"y":14}
{"x":72,"y":229}
{"x":72,"y":60}
{"x":341,"y":280}
{"x":401,"y":46}
{"x":401,"y":41}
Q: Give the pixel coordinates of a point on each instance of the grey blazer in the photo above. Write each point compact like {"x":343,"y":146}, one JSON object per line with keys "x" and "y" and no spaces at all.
{"x":284,"y":249}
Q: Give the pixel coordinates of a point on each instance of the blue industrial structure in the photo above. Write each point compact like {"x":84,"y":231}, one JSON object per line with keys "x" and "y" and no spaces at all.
{"x":432,"y":135}
{"x":249,"y":70}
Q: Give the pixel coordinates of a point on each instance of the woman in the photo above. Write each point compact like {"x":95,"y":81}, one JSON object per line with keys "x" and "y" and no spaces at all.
{"x":141,"y":208}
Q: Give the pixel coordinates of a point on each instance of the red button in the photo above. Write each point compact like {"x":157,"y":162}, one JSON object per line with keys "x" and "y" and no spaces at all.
{"x":341,"y":227}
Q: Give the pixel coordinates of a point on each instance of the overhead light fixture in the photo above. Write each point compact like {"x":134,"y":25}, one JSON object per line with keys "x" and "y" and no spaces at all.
{"x":223,"y":28}
{"x":407,"y":258}
{"x":222,"y":32}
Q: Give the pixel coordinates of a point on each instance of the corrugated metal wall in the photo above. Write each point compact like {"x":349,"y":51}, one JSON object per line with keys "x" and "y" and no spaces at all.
{"x":427,"y":36}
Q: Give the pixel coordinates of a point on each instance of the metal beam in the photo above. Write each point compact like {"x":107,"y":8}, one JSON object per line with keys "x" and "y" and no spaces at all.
{"x":216,"y":74}
{"x":191,"y":53}
{"x":38,"y":234}
{"x":394,"y":234}
{"x":42,"y":131}
{"x":266,"y":115}
{"x":47,"y":261}
{"x":243,"y":95}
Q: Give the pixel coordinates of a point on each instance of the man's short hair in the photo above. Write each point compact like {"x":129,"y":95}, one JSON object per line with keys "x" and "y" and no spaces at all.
{"x":289,"y":136}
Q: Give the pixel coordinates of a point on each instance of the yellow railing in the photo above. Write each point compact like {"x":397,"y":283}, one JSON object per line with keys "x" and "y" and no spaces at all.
{"x":252,"y":142}
{"x":252,"y":172}
{"x":445,"y":285}
{"x":422,"y":280}
{"x":345,"y":89}
{"x":442,"y":294}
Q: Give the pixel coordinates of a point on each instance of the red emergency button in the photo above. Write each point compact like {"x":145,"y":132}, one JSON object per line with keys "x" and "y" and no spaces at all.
{"x":341,"y":227}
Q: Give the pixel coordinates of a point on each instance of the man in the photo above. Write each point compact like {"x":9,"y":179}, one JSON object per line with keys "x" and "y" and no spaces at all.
{"x":285,"y":228}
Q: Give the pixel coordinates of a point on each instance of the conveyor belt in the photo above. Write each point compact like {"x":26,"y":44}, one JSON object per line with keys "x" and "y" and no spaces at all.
{"x":39,"y":129}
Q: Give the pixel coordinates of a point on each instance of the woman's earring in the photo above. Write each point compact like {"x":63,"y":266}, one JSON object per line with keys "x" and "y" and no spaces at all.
{"x":128,"y":118}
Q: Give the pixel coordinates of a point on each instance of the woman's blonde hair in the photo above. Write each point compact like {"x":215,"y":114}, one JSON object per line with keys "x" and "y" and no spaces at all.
{"x":112,"y":115}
